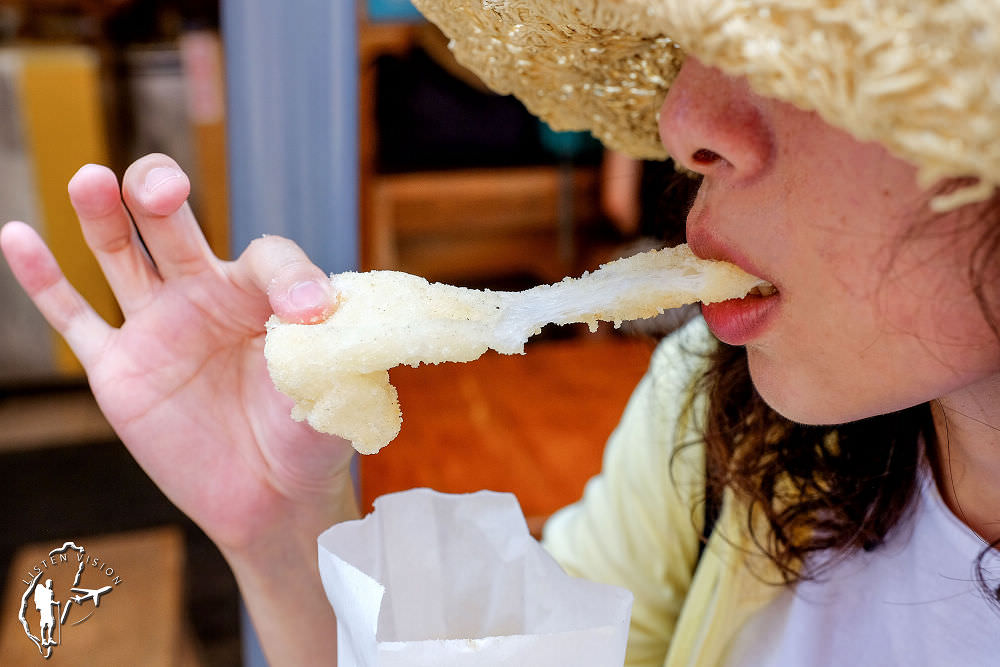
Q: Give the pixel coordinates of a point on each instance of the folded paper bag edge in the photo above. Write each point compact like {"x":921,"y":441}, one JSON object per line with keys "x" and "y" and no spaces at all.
{"x":590,"y":648}
{"x":358,"y":598}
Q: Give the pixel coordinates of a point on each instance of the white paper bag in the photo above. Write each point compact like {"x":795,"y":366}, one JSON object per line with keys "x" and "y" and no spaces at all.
{"x":435,"y":580}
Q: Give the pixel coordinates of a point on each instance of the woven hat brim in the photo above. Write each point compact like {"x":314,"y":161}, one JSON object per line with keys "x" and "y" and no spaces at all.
{"x":921,"y":77}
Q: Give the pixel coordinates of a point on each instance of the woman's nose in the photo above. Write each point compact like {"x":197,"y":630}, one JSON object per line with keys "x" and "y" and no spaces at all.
{"x":712,"y":124}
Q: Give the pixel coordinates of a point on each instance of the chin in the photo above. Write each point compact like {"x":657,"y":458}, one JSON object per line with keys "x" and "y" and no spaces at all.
{"x":798,"y":410}
{"x":802,"y":399}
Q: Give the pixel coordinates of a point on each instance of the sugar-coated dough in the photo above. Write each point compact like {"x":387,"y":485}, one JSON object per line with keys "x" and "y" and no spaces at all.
{"x":337,"y":370}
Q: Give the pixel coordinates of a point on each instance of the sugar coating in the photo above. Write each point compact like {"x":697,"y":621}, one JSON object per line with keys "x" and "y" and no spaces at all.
{"x":337,"y":371}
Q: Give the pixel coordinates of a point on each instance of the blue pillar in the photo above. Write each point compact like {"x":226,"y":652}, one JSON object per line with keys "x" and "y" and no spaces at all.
{"x":292,"y":82}
{"x":292,"y":108}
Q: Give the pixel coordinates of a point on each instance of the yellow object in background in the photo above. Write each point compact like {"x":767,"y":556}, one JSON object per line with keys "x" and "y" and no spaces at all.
{"x":62,"y":116}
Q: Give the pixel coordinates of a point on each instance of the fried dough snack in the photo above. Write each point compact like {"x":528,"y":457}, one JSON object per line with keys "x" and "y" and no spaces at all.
{"x":337,"y":371}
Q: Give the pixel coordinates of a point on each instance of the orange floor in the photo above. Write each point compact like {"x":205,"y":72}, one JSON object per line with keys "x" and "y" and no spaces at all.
{"x":534,"y":425}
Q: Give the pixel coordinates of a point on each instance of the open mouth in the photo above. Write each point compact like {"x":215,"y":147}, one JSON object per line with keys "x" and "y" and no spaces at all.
{"x":763,"y":290}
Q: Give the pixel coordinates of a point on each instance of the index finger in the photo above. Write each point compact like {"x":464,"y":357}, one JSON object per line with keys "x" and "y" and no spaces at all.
{"x":38,"y":273}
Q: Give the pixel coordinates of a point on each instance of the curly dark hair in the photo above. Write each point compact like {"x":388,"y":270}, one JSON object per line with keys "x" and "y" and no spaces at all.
{"x":817,"y":487}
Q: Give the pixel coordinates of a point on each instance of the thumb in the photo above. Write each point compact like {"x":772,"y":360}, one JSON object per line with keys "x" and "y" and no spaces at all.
{"x":298,"y":290}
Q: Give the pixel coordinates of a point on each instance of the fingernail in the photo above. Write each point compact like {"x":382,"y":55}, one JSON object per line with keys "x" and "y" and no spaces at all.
{"x":307,"y":294}
{"x":160,"y":175}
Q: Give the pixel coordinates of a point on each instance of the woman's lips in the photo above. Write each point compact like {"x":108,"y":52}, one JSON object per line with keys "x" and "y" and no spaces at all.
{"x":739,"y":321}
{"x":736,"y":321}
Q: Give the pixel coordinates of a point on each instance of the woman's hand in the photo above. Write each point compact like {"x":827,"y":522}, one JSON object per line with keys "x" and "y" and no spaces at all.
{"x":183,"y":381}
{"x":184,"y":384}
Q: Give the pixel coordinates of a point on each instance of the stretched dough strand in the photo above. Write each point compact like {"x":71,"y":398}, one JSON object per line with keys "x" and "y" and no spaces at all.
{"x":337,"y":371}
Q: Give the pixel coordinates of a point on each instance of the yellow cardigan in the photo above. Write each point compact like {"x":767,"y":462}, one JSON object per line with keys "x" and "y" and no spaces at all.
{"x":639,"y":522}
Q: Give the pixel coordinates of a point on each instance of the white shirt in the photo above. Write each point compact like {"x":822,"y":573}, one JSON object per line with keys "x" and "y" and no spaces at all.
{"x":912,"y":601}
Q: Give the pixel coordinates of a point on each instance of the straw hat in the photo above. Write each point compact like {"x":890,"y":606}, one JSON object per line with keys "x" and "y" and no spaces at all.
{"x":922,"y":77}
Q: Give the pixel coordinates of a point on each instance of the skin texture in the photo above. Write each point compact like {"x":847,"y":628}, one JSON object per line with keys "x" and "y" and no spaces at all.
{"x":865,"y":324}
{"x":876,"y":312}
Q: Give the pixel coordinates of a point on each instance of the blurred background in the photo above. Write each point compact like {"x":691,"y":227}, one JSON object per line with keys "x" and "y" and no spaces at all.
{"x":349,"y":128}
